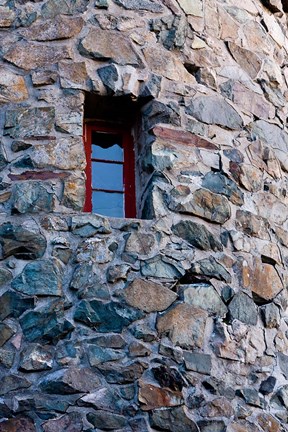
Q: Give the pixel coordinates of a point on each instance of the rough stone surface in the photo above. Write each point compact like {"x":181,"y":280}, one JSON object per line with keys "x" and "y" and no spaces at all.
{"x":174,"y":417}
{"x":205,"y":297}
{"x":60,"y":27}
{"x":197,"y":235}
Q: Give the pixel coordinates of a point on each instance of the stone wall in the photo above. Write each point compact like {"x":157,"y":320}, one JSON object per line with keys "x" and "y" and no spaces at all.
{"x":177,"y":322}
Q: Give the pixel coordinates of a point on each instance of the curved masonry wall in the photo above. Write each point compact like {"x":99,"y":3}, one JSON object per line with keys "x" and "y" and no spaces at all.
{"x":177,"y":323}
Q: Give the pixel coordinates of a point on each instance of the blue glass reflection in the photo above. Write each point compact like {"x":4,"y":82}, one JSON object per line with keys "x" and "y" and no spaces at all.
{"x":107,"y":176}
{"x":108,"y":204}
{"x":107,"y":146}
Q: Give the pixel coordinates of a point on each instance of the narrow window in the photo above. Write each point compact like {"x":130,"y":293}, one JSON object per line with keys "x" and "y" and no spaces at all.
{"x":110,"y":177}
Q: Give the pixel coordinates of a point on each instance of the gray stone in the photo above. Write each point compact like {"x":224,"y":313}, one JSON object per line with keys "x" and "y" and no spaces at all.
{"x":60,"y":27}
{"x":29,"y":122}
{"x":210,"y":268}
{"x":73,"y":75}
{"x":184,"y":325}
{"x":53,"y":8}
{"x":198,"y":362}
{"x":14,"y":305}
{"x":5,"y":275}
{"x":22,"y":241}
{"x":13,"y":382}
{"x":271,"y":315}
{"x":148,"y":5}
{"x":283,"y":363}
{"x":148,"y":296}
{"x":89,"y":225}
{"x":267,"y":386}
{"x":203,"y":203}
{"x":103,"y":399}
{"x":243,"y":308}
{"x":173,"y":419}
{"x":109,"y":45}
{"x":247,"y":60}
{"x":215,"y":110}
{"x":7,"y":357}
{"x":44,"y":76}
{"x":70,"y":381}
{"x":160,"y":267}
{"x":36,"y":358}
{"x":110,"y":78}
{"x":43,"y":277}
{"x":211,"y":426}
{"x":251,"y":396}
{"x":116,"y":373}
{"x":31,"y":197}
{"x":117,"y":272}
{"x":219,"y":183}
{"x":197,"y":235}
{"x":107,"y":421}
{"x":71,"y":422}
{"x":6,"y":332}
{"x":252,"y":225}
{"x":205,"y":297}
{"x":140,"y":242}
{"x":98,"y":355}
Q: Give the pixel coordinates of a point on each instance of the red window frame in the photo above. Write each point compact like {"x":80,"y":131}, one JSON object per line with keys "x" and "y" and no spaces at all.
{"x":128,"y":165}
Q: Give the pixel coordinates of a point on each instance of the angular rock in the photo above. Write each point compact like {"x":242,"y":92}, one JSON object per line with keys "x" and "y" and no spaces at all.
{"x":266,"y":283}
{"x":105,"y":317}
{"x":198,"y":362}
{"x":103,"y":399}
{"x":168,"y":377}
{"x":195,"y":8}
{"x":152,"y":397}
{"x":117,"y":272}
{"x":197,"y":235}
{"x":31,"y":197}
{"x":18,"y":424}
{"x":44,"y":76}
{"x":218,"y":407}
{"x":43,"y":277}
{"x":268,"y":423}
{"x":140,"y":243}
{"x":109,"y":45}
{"x":29,"y":55}
{"x":147,"y":5}
{"x":7,"y":358}
{"x":14,"y":305}
{"x":22,"y":241}
{"x":206,"y":204}
{"x":210,"y":268}
{"x":220,"y":184}
{"x":215,"y":110}
{"x":73,"y":75}
{"x":60,"y":27}
{"x":12,"y":87}
{"x":243,"y":309}
{"x":121,"y":374}
{"x":46,"y":324}
{"x":161,"y":268}
{"x":271,"y":315}
{"x":184,"y":324}
{"x":29,"y":122}
{"x":173,"y":419}
{"x":13,"y":382}
{"x":252,"y":225}
{"x":148,"y":296}
{"x":6,"y":332}
{"x":7,"y":16}
{"x":5,"y":275}
{"x":70,"y":381}
{"x":36,"y":358}
{"x":71,"y":422}
{"x":107,"y":421}
{"x":267,"y":386}
{"x":183,"y":137}
{"x":211,"y":426}
{"x":205,"y":297}
{"x":89,"y":225}
{"x":283,"y":363}
{"x":110,"y":77}
{"x":74,"y":191}
{"x":248,"y":176}
{"x":248,"y":60}
{"x":98,"y":355}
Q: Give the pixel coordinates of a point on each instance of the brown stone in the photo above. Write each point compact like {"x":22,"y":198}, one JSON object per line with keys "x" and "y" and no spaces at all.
{"x":7,"y":16}
{"x":185,"y":325}
{"x":44,"y":77}
{"x":249,"y":61}
{"x":60,"y":27}
{"x":266,"y":282}
{"x":73,"y":75}
{"x":252,"y":225}
{"x":31,"y":56}
{"x":74,"y":191}
{"x":152,"y":397}
{"x":219,"y":407}
{"x":109,"y":45}
{"x":268,"y":423}
{"x":282,"y":236}
{"x":140,"y":243}
{"x":12,"y":87}
{"x":183,"y":137}
{"x":69,"y":423}
{"x":20,"y":424}
{"x":34,"y":175}
{"x":149,"y":296}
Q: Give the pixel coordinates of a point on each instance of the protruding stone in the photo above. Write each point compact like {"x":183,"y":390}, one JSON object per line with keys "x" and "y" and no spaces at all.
{"x":147,"y":5}
{"x":195,"y":8}
{"x":271,"y":315}
{"x":215,"y":110}
{"x":43,"y":277}
{"x":198,"y":362}
{"x":252,"y":225}
{"x":152,"y":397}
{"x":185,"y":325}
{"x":243,"y":308}
{"x":173,"y":418}
{"x":205,"y":297}
{"x":106,"y":420}
{"x":148,"y":296}
{"x":22,"y":241}
{"x":52,"y":8}
{"x":218,"y":407}
{"x":31,"y":197}
{"x":13,"y":382}
{"x":70,"y":381}
{"x":14,"y":305}
{"x":248,"y":60}
{"x":219,"y":183}
{"x":140,"y":243}
{"x":12,"y":87}
{"x":18,"y":424}
{"x":266,"y":284}
{"x":29,"y":122}
{"x":60,"y":27}
{"x":71,"y":422}
{"x":89,"y":225}
{"x":161,"y":268}
{"x":5,"y":276}
{"x":210,"y":268}
{"x":36,"y":358}
{"x":6,"y":332}
{"x":73,"y":75}
{"x":197,"y":235}
{"x":109,"y":45}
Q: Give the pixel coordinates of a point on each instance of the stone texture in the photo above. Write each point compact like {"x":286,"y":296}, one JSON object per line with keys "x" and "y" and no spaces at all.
{"x":252,"y":225}
{"x":205,"y":297}
{"x":243,"y":308}
{"x":148,"y":296}
{"x":197,"y":235}
{"x":29,"y":122}
{"x":107,"y":421}
{"x":147,"y":5}
{"x":71,"y":423}
{"x":161,"y":268}
{"x":210,"y":268}
{"x":152,"y":397}
{"x":266,"y":282}
{"x":173,"y":417}
{"x":29,"y":55}
{"x":17,"y":424}
{"x":60,"y":27}
{"x":22,"y":241}
{"x":70,"y":381}
{"x":73,"y":75}
{"x":220,"y":184}
{"x":246,"y":59}
{"x":185,"y":325}
{"x":108,"y":45}
{"x":214,"y":110}
{"x":14,"y":305}
{"x":43,"y":277}
{"x":31,"y":197}
{"x":12,"y":87}
{"x":198,"y":362}
{"x":5,"y":276}
{"x":36,"y":358}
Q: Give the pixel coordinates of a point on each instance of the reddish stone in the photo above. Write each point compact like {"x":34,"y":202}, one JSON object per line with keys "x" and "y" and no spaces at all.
{"x":155,"y":397}
{"x":20,"y":424}
{"x":34,"y":175}
{"x":183,"y":137}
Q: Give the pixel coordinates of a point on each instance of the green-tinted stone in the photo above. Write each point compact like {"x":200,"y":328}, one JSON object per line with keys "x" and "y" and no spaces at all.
{"x":6,"y":332}
{"x":5,"y":276}
{"x":14,"y":304}
{"x":29,"y":122}
{"x":31,"y":197}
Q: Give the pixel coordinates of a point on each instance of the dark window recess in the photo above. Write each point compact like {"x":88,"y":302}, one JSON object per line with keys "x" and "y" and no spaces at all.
{"x":110,"y":177}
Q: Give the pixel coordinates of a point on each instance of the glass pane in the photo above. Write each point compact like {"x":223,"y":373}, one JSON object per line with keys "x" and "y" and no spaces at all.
{"x":108,"y":204}
{"x":107,"y":176}
{"x":107,"y":146}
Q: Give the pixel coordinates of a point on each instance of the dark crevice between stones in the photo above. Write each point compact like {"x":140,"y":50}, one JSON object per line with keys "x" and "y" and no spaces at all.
{"x":259,"y":301}
{"x":193,"y":70}
{"x":190,"y":278}
{"x":270,"y":6}
{"x":268,"y":260}
{"x":262,"y":22}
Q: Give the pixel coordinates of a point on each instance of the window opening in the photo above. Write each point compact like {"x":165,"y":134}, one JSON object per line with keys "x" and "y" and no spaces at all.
{"x":110,"y":177}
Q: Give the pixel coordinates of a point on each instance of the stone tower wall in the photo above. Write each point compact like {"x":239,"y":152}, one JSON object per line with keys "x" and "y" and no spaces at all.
{"x":176,"y":321}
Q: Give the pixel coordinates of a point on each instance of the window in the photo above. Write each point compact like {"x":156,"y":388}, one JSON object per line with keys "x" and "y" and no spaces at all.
{"x":110,"y":171}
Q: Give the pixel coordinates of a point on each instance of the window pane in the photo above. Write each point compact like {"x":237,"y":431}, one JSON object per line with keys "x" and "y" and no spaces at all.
{"x":107,"y":146}
{"x":108,"y":204}
{"x":107,"y":176}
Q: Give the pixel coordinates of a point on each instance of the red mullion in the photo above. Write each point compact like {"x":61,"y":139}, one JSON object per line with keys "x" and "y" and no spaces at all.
{"x":129,"y":175}
{"x":88,"y":169}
